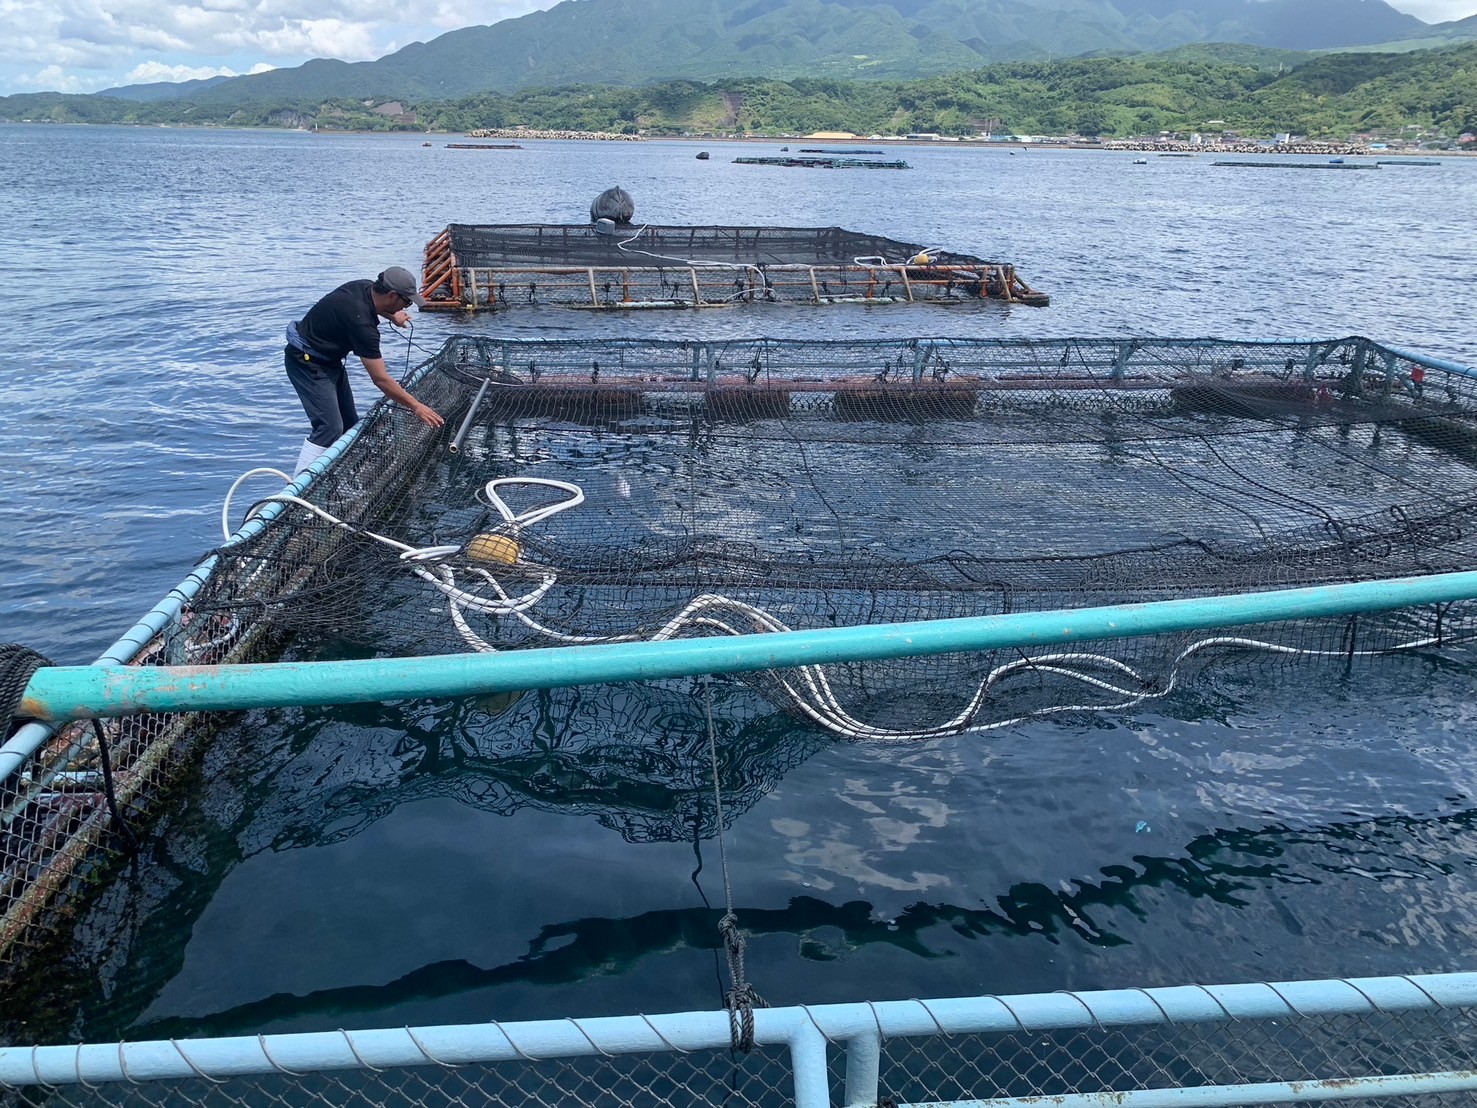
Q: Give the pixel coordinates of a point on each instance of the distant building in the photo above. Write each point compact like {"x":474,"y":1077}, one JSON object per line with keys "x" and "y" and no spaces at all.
{"x":930,"y":136}
{"x":395,"y":110}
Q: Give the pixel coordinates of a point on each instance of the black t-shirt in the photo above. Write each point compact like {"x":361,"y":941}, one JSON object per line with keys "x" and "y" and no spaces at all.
{"x":343,"y":321}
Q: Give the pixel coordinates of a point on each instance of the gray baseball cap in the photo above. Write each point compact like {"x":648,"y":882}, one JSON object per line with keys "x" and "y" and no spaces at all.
{"x":401,"y":280}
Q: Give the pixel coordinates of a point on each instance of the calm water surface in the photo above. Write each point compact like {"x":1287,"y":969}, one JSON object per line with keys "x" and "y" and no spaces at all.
{"x":432,"y":862}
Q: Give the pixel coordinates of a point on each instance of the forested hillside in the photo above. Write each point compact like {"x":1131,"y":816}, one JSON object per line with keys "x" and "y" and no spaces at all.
{"x":1329,"y":96}
{"x":637,"y":42}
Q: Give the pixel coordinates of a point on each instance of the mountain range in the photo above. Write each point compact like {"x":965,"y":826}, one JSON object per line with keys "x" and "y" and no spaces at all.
{"x":636,"y":42}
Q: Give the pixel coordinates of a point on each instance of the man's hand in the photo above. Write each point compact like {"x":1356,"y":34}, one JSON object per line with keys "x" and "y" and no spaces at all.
{"x":400,"y":318}
{"x":397,"y":392}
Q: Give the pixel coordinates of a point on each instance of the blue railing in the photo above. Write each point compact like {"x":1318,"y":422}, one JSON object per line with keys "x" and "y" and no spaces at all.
{"x":81,"y":692}
{"x":1196,"y":1029}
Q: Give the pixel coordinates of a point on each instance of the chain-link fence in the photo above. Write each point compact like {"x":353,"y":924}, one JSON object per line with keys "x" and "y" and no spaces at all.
{"x":1402,"y":1040}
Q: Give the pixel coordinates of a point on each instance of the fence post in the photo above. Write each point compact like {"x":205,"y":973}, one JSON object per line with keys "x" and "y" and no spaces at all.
{"x":808,"y":1059}
{"x":863,"y":1066}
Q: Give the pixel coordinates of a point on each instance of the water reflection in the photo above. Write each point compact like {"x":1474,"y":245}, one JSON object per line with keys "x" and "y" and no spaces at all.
{"x":1229,"y":869}
{"x":636,"y":758}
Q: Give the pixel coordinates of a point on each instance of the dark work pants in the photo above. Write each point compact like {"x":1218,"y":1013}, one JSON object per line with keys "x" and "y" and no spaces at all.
{"x":324,"y":390}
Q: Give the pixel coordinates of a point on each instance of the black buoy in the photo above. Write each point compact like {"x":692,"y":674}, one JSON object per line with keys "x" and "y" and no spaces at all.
{"x":614,"y":204}
{"x":702,"y":155}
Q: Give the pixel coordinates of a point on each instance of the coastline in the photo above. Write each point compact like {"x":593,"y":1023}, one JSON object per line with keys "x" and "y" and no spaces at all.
{"x":1118,"y":146}
{"x":1111,"y":146}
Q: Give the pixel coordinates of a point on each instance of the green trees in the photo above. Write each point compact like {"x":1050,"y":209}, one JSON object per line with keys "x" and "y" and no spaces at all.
{"x":1329,"y":96}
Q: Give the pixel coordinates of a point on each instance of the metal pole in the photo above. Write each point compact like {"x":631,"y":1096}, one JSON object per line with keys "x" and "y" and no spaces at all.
{"x":804,"y":1029}
{"x":81,"y":692}
{"x":456,"y":443}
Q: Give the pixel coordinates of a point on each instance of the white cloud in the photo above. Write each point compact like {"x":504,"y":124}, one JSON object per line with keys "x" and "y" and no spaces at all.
{"x":311,"y":38}
{"x":84,"y":45}
{"x":52,"y":79}
{"x":150,"y":72}
{"x":1436,"y":11}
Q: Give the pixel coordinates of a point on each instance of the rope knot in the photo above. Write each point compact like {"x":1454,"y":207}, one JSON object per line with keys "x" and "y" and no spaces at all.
{"x":741,"y":998}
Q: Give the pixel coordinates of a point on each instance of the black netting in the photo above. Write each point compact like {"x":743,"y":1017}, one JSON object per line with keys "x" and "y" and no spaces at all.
{"x":762,"y":485}
{"x":579,"y":244}
{"x":578,"y":265}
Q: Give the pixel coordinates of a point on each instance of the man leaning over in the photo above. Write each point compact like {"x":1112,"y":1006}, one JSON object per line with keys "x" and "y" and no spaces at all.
{"x":343,"y":322}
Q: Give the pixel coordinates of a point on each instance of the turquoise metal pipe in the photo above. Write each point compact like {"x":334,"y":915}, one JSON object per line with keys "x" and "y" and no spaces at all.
{"x":80,"y":692}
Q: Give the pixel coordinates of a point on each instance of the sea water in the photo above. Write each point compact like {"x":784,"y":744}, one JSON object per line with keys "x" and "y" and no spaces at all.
{"x":544,"y":854}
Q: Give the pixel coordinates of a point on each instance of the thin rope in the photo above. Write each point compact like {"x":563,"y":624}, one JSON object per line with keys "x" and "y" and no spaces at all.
{"x":741,"y":999}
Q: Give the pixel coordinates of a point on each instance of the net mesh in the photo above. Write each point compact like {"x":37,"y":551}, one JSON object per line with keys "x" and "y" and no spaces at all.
{"x":477,"y":266}
{"x":643,"y":490}
{"x":578,"y":244}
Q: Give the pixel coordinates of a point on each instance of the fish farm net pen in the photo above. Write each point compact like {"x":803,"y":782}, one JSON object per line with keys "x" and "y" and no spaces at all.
{"x":641,"y":494}
{"x":778,"y":486}
{"x":476,"y":267}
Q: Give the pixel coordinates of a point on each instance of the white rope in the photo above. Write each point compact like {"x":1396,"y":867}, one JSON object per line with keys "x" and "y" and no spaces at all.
{"x":696,"y":263}
{"x":231,"y":492}
{"x":806,"y":688}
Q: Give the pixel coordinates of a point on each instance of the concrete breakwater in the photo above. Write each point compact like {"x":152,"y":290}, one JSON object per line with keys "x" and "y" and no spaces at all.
{"x":525,"y":133}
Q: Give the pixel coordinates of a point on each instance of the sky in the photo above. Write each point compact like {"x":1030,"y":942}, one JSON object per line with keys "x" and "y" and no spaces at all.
{"x":88,"y":45}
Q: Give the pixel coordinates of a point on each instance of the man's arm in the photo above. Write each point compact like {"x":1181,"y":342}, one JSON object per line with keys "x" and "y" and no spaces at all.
{"x":393,"y":389}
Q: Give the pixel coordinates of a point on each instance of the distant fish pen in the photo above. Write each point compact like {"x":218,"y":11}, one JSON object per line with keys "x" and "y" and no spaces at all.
{"x":817,"y":161}
{"x":477,"y":267}
{"x":1338,"y":164}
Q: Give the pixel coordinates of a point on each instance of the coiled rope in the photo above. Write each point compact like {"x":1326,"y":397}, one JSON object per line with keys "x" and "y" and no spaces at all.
{"x":18,"y":664}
